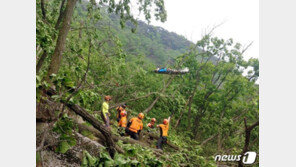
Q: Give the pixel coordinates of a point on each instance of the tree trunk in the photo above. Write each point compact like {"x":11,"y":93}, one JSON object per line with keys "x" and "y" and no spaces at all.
{"x":96,"y":124}
{"x":80,"y":29}
{"x":60,"y":45}
{"x":190,"y":101}
{"x":107,"y":134}
{"x":196,"y":123}
{"x":41,"y":61}
{"x":60,"y":16}
{"x":248,"y":130}
{"x":100,"y":137}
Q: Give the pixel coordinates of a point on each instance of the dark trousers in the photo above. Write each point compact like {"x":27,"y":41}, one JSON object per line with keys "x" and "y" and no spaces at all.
{"x":161,"y":141}
{"x":107,"y":121}
{"x":133,"y":135}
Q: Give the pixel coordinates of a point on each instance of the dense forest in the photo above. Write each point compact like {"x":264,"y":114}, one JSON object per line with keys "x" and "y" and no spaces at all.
{"x":86,"y":50}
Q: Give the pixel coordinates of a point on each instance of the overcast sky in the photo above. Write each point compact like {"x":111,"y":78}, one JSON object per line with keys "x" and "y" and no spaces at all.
{"x":191,"y":18}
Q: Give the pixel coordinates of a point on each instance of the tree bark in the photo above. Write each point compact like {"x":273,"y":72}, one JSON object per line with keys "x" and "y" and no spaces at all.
{"x":41,"y":61}
{"x":107,"y":134}
{"x":248,"y":130}
{"x":60,"y":15}
{"x":100,"y":137}
{"x":60,"y":44}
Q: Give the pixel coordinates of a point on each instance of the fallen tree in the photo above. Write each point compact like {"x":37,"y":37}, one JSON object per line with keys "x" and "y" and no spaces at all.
{"x":111,"y":147}
{"x":125,"y":140}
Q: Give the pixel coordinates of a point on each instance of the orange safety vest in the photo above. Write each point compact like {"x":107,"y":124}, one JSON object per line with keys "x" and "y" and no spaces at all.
{"x":136,"y":125}
{"x":122,"y":122}
{"x":164,"y":129}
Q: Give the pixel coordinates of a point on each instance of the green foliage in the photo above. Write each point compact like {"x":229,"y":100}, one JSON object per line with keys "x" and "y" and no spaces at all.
{"x":119,"y":161}
{"x":64,"y":127}
{"x":38,"y":157}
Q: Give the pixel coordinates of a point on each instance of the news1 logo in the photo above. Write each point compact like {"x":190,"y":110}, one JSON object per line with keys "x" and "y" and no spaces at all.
{"x":248,"y":158}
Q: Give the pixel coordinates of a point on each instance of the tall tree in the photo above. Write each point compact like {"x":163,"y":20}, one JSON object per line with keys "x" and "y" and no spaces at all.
{"x":60,"y":44}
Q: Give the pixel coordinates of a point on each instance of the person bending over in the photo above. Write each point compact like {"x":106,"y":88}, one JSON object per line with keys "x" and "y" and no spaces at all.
{"x":134,"y":126}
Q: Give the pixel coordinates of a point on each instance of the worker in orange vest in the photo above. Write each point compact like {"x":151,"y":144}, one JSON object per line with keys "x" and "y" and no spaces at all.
{"x":134,"y":126}
{"x":164,"y":128}
{"x":119,"y":109}
{"x":150,"y":125}
{"x":122,"y":123}
{"x":123,"y":119}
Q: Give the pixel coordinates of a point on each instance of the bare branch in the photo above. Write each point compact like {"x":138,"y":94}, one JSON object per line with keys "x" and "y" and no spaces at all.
{"x":208,"y":139}
{"x":247,"y":47}
{"x":215,"y":27}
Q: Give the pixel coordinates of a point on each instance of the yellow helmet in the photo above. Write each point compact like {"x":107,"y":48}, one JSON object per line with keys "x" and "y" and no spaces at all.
{"x":141,"y":116}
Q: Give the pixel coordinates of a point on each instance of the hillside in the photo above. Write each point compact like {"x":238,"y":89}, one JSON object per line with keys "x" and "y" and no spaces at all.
{"x":154,"y":43}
